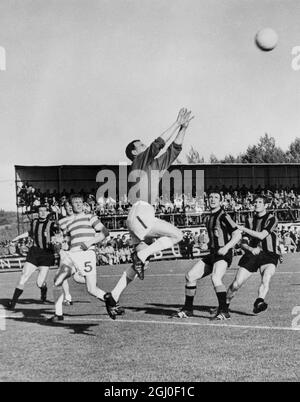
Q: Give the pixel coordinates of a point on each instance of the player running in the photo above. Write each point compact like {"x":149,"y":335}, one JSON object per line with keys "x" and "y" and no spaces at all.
{"x":260,"y":244}
{"x":40,"y":256}
{"x":223,"y":235}
{"x":142,"y":224}
{"x":84,"y":231}
{"x":66,"y":297}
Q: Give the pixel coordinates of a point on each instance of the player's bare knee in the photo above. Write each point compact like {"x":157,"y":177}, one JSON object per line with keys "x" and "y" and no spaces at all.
{"x":236,"y":285}
{"x":59,"y":279}
{"x":64,"y":273}
{"x":58,"y":282}
{"x":216,"y":280}
{"x":190,"y":280}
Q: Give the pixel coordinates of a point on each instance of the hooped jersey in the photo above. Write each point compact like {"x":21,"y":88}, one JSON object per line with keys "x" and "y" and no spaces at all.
{"x":82,"y":228}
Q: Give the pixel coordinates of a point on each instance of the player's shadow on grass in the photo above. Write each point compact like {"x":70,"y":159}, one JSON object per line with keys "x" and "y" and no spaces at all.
{"x":241,"y":313}
{"x":169,"y":309}
{"x":36,"y":316}
{"x":4,"y":302}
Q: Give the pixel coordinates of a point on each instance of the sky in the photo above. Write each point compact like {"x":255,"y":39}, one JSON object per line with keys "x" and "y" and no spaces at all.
{"x":84,"y":78}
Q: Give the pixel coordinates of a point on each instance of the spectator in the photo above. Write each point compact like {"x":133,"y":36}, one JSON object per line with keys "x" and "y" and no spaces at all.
{"x":12,"y":249}
{"x":288,"y":243}
{"x":190,"y":246}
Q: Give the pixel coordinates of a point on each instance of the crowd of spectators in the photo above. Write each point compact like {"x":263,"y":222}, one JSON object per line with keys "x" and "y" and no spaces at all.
{"x":235,"y":200}
{"x":18,"y":248}
{"x":185,"y":209}
{"x":117,"y":249}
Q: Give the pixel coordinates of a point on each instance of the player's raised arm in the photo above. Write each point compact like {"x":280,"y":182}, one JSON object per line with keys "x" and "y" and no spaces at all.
{"x":185,"y":121}
{"x":141,"y":155}
{"x":181,"y":119}
{"x":173,"y":151}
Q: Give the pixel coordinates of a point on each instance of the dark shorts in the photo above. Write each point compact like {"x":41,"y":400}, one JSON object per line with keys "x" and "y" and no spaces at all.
{"x":40,"y":257}
{"x":253,"y":262}
{"x":212,"y":258}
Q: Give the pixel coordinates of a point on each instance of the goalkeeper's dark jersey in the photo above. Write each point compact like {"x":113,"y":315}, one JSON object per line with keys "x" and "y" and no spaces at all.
{"x":147,"y":170}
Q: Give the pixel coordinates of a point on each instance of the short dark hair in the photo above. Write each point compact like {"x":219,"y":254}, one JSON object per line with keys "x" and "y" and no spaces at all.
{"x":75,"y":196}
{"x":216,"y":192}
{"x":43,"y":206}
{"x":130,"y":147}
{"x":262,"y":197}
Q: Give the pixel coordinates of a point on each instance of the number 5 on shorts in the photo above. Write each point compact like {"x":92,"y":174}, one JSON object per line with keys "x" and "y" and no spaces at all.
{"x":88,"y":266}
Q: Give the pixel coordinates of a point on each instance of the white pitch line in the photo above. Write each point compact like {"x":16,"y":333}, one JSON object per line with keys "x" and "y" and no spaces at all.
{"x":227,"y":273}
{"x":180,"y":323}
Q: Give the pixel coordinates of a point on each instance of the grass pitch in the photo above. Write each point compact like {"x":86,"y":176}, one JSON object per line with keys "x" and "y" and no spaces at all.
{"x":146,"y":344}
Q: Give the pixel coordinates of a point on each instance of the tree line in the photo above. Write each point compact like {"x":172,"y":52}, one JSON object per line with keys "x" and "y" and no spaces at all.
{"x":265,"y":151}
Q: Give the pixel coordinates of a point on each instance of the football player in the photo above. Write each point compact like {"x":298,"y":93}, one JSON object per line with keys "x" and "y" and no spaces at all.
{"x":223,"y":236}
{"x":259,"y":242}
{"x":142,"y":224}
{"x":40,"y":256}
{"x":62,"y":245}
{"x":84,"y":231}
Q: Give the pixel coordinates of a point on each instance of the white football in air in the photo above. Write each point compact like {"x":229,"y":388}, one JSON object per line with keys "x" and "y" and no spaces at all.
{"x":266,"y":39}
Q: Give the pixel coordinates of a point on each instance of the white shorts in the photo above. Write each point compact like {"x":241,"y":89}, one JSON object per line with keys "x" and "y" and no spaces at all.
{"x":140,"y":219}
{"x":83,"y":262}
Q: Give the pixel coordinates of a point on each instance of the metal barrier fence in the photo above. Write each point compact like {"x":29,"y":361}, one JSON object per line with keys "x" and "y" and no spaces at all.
{"x":192,"y":219}
{"x":180,"y":219}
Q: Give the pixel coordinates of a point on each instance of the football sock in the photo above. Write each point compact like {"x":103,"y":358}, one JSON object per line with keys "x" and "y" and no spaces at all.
{"x":221,"y":295}
{"x":189,"y":301}
{"x":59,"y":305}
{"x":16,"y":295}
{"x":159,"y":245}
{"x":125,"y":279}
{"x":56,"y":293}
{"x":99,"y":293}
{"x":190,"y":292}
{"x":66,"y":290}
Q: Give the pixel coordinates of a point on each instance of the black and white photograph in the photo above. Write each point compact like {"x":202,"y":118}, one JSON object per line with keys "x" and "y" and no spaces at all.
{"x":150,"y":194}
